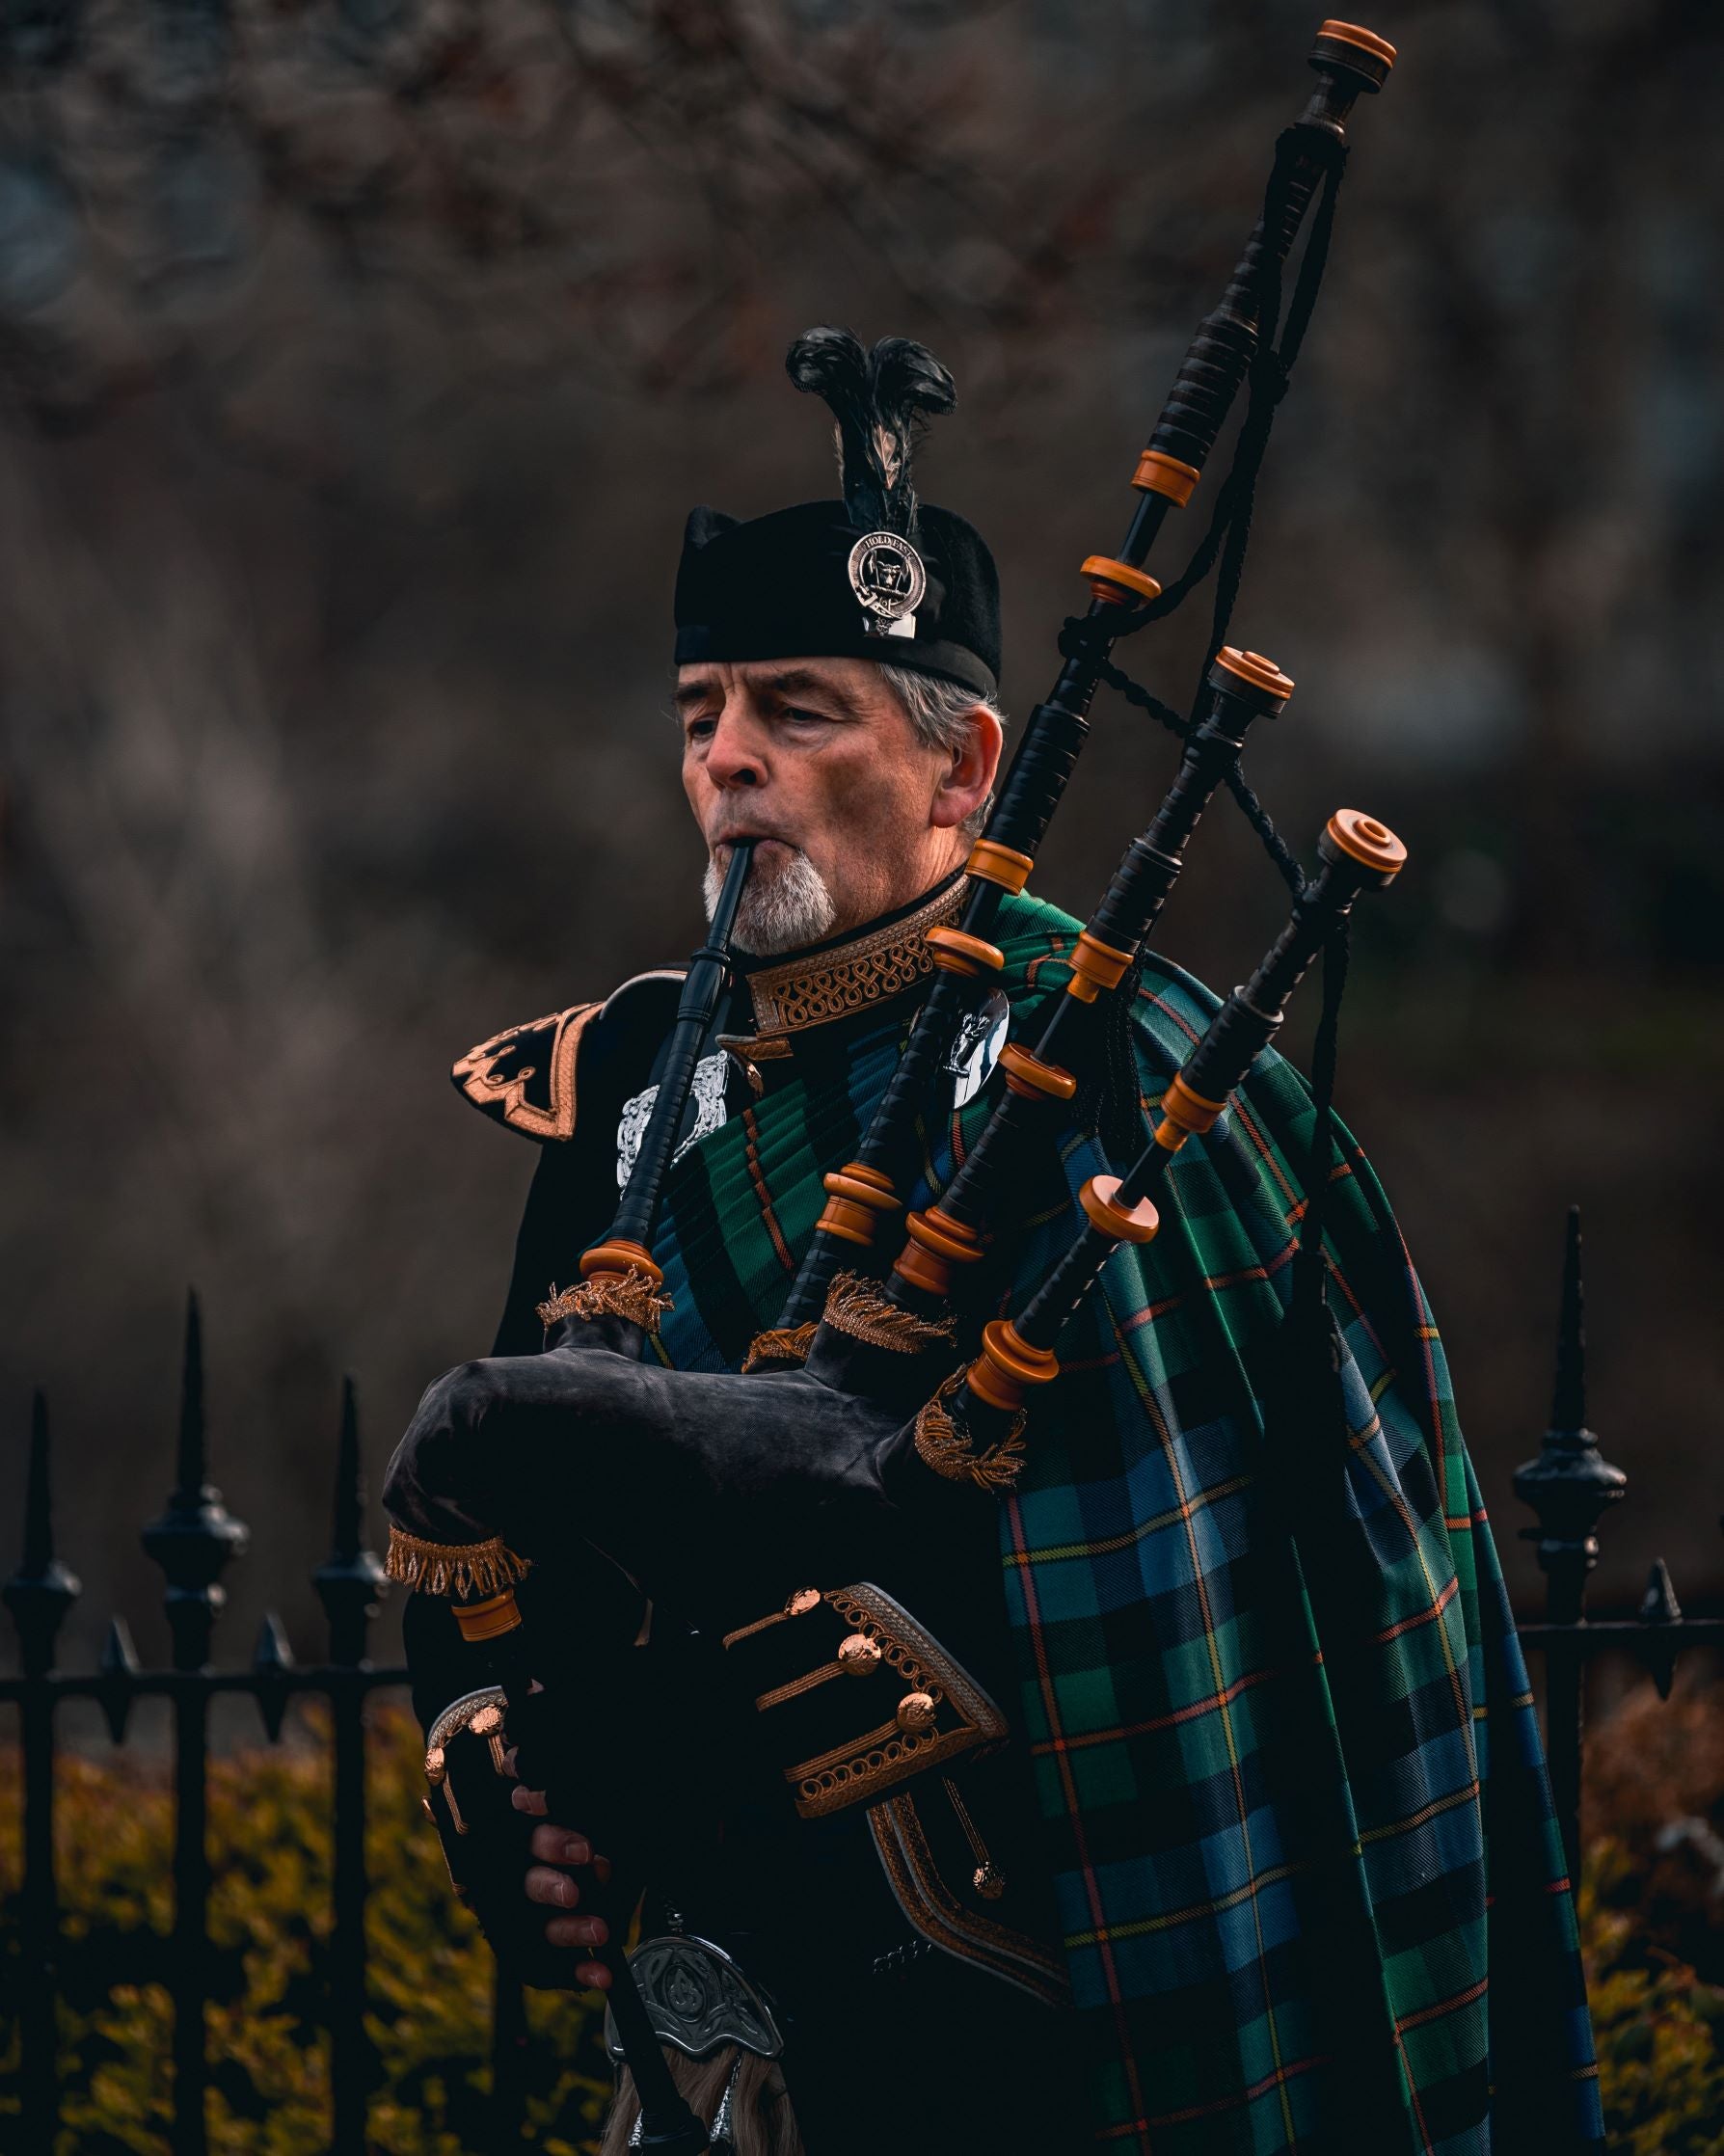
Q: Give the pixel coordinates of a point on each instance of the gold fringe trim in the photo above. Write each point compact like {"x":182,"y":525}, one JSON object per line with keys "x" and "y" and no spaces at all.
{"x":861,"y":1309}
{"x":950,"y":1451}
{"x":782,"y":1344}
{"x":632,"y":1295}
{"x":453,"y":1568}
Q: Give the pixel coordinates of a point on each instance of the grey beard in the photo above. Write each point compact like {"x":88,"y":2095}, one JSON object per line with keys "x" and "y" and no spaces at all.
{"x":781,"y":909}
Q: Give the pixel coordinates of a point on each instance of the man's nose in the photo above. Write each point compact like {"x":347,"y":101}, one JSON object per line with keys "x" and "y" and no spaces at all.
{"x":735,"y":754}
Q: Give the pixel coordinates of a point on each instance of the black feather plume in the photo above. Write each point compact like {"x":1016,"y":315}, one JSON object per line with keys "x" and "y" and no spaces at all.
{"x":879,"y":400}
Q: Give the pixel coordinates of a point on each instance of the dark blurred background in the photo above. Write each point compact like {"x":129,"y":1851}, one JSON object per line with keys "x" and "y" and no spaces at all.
{"x":360,"y":364}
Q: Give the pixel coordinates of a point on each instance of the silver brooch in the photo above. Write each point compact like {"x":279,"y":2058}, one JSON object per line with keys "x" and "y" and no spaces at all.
{"x":710,"y":1075}
{"x":888,"y":578}
{"x":975,"y":1053}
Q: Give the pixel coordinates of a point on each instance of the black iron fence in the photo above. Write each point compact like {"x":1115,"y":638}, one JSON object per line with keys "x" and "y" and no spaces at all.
{"x":1569,"y":1486}
{"x":193,"y":1542}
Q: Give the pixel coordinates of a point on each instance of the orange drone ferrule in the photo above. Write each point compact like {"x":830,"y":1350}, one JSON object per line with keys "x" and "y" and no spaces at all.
{"x":1252,"y":666}
{"x":935,"y":1244}
{"x":1100,"y":1197}
{"x":620,"y":1257}
{"x":1003,"y":865}
{"x":1367,"y":841}
{"x":1157,"y":473}
{"x":1365,"y":41}
{"x":1096,"y":968}
{"x":1184,"y":1114}
{"x":967,"y":956}
{"x":856,"y":1199}
{"x":1031,"y":1079}
{"x":1009,"y":1366}
{"x":1117,"y":583}
{"x":489,"y":1619}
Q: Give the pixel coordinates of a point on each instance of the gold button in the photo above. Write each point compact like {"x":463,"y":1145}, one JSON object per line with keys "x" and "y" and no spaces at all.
{"x":859,"y":1655}
{"x":915,"y":1711}
{"x":487,"y":1719}
{"x":802,"y":1601}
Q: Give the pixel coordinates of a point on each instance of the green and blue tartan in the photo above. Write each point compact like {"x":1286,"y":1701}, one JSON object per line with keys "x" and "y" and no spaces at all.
{"x":1191,"y":1699}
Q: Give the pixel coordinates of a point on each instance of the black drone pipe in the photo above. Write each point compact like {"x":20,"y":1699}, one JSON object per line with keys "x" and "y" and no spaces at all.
{"x":614,"y":1305}
{"x":1241,"y":688}
{"x":708,"y":974}
{"x":619,"y":1276}
{"x":1349,"y":62}
{"x":1017,"y":1354}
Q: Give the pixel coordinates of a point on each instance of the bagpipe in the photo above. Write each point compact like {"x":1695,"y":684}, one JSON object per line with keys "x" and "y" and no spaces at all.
{"x":809,"y":1542}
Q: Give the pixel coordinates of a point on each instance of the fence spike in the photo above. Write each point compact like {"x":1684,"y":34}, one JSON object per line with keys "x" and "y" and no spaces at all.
{"x":42,"y":1591}
{"x":350,"y":1481}
{"x":118,"y":1668}
{"x":352,"y":1580}
{"x":1571,"y":1483}
{"x":271,"y":1661}
{"x":1658,"y":1607}
{"x":192,"y":1452}
{"x":197,"y":1535}
{"x":38,"y":1509}
{"x":1567,"y":1393}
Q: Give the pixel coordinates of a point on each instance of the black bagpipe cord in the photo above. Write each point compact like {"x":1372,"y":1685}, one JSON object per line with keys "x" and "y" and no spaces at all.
{"x":1228,"y":535}
{"x":1116,"y":1108}
{"x":1227,"y":540}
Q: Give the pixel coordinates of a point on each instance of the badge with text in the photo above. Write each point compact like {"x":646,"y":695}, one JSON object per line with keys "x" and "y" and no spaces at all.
{"x":888,"y":578}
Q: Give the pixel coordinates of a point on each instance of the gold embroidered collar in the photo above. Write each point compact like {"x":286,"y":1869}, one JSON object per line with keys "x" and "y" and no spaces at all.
{"x":817,"y":987}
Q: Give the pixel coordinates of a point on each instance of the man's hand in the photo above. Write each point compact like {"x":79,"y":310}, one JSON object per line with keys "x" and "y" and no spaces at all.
{"x":559,"y":1851}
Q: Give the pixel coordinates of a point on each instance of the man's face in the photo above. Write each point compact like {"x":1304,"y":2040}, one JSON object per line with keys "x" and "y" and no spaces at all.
{"x":818,"y":759}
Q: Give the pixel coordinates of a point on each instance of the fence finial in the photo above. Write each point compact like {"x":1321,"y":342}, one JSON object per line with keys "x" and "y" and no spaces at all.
{"x":41,"y":1592}
{"x":350,"y":1582}
{"x":197,"y":1535}
{"x":1571,"y":1483}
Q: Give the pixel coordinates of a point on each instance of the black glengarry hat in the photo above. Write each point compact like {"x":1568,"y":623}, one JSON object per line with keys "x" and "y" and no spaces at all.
{"x":879,"y":575}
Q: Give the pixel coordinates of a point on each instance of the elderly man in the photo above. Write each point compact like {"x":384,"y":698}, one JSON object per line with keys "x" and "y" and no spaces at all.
{"x":1184,"y":1953}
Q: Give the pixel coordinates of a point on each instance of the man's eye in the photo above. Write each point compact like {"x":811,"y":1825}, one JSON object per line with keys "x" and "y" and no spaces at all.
{"x":805,"y":717}
{"x":701,"y":729}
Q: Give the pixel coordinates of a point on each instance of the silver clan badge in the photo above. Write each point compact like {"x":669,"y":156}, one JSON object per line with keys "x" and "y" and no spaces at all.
{"x":887,"y":577}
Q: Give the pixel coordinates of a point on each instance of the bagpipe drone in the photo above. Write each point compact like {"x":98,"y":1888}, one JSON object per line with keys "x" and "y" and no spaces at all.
{"x":822,"y":1516}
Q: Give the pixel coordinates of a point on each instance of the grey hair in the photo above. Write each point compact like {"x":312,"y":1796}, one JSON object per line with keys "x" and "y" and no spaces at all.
{"x":939,"y":714}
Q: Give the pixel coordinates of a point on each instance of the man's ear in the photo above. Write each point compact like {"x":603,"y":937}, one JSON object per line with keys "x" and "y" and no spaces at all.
{"x":969,"y":779}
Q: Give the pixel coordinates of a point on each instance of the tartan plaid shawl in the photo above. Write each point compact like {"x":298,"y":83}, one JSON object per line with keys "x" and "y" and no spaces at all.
{"x":1311,"y":1885}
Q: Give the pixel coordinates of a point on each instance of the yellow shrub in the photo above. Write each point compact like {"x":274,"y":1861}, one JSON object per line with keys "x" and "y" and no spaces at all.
{"x":1658,"y":2027}
{"x":270,"y":1924}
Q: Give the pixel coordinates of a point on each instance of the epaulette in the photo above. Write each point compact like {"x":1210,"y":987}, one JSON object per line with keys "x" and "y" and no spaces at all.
{"x":528,"y":1077}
